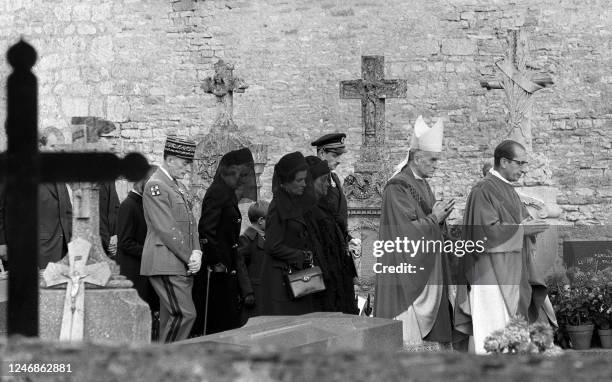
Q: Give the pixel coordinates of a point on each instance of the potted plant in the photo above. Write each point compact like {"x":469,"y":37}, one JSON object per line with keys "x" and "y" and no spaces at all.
{"x":575,"y":309}
{"x":602,"y":304}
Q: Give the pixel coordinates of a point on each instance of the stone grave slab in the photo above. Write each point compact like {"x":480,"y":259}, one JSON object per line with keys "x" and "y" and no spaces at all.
{"x":117,"y":315}
{"x":314,"y":331}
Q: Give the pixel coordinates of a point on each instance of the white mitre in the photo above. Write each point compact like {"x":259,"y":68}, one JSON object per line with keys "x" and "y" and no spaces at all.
{"x":424,"y":138}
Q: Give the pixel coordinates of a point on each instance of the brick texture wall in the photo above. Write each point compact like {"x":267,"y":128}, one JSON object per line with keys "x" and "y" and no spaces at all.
{"x":139,"y":64}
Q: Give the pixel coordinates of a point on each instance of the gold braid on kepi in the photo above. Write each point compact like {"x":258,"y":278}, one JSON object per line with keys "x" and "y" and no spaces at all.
{"x":180,"y":147}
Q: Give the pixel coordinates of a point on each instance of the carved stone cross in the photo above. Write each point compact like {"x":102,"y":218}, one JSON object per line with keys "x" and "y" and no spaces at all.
{"x":223,"y":85}
{"x":519,"y":84}
{"x":75,"y":276}
{"x":23,"y":168}
{"x":372,"y":89}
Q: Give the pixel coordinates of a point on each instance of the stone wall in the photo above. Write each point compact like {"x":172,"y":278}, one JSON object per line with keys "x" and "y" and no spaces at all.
{"x":139,"y":64}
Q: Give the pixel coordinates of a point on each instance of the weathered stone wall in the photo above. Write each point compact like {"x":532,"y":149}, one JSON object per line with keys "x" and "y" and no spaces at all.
{"x":139,"y":64}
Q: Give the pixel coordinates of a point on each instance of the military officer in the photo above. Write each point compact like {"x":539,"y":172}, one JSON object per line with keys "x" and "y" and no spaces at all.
{"x":171,"y":252}
{"x":329,"y":148}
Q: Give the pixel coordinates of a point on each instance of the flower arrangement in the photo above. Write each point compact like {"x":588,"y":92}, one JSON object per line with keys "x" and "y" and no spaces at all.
{"x":602,"y":299}
{"x":574,"y":298}
{"x":519,"y":337}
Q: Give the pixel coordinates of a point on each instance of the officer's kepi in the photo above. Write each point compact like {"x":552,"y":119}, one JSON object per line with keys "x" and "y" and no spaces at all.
{"x":179,"y":147}
{"x":331,"y":142}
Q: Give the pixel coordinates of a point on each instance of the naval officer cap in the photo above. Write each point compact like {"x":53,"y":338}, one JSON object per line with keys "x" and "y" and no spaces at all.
{"x":180,"y":147}
{"x":331,"y":142}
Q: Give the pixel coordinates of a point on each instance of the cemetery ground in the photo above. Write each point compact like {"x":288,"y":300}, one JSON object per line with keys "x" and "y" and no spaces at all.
{"x":98,"y":362}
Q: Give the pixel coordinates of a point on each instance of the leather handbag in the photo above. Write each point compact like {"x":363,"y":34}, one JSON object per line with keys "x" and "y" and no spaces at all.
{"x":304,"y":282}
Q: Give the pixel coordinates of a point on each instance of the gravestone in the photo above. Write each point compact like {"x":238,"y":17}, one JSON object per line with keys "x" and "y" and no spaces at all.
{"x":537,"y":191}
{"x":23,"y":167}
{"x":75,"y":275}
{"x":223,"y":137}
{"x":314,"y":331}
{"x":588,"y":255}
{"x":363,"y":188}
{"x":112,"y":311}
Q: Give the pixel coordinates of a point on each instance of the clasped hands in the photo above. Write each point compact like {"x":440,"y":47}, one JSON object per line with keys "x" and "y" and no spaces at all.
{"x":442,"y":209}
{"x":195,"y":262}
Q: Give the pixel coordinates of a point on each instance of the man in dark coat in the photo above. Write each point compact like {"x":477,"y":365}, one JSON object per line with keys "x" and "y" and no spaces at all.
{"x":131,"y":234}
{"x":329,"y":148}
{"x":54,"y":220}
{"x":109,"y":209}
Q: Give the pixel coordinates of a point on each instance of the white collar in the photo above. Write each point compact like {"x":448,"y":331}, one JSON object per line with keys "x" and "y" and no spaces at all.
{"x":259,"y":231}
{"x":497,"y":174}
{"x":415,"y":174}
{"x":136,"y":192}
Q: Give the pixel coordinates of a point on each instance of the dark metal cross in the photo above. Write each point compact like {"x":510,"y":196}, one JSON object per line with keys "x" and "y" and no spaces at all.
{"x":372,"y":89}
{"x":23,"y":168}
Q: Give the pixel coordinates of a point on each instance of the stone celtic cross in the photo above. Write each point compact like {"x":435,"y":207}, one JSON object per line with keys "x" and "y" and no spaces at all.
{"x":222,"y":85}
{"x":23,"y":168}
{"x":519,"y":84}
{"x":75,"y":275}
{"x":372,"y":89}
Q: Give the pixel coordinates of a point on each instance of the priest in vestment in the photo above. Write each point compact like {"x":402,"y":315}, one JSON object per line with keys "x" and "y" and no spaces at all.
{"x":502,"y":280}
{"x":419,"y":295}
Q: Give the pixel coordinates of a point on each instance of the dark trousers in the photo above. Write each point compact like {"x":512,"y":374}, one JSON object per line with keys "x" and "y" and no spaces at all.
{"x":176,"y":311}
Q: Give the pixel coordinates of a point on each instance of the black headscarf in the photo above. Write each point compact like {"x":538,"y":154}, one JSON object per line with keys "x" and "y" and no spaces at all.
{"x":247,"y":182}
{"x":317,"y":166}
{"x":290,"y":205}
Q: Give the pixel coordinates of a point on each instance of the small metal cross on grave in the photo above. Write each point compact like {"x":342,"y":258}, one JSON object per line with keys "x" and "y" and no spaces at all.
{"x":223,"y":85}
{"x":75,"y":276}
{"x":23,"y":168}
{"x":519,"y":84}
{"x":373,"y":89}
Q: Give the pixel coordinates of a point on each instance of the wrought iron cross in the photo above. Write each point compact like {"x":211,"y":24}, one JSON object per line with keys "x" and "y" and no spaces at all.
{"x":23,"y":168}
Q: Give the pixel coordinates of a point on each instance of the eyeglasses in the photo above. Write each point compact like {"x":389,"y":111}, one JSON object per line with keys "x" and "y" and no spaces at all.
{"x":519,"y":162}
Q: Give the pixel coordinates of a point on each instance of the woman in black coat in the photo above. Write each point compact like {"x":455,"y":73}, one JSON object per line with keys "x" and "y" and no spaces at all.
{"x":219,"y":229}
{"x":335,"y":262}
{"x":290,"y":240}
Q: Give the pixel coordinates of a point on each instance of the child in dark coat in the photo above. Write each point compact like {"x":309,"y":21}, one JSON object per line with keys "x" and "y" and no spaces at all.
{"x":250,"y":258}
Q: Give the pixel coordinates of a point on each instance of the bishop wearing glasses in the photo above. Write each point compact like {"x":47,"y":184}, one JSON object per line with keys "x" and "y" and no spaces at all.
{"x":502,"y":281}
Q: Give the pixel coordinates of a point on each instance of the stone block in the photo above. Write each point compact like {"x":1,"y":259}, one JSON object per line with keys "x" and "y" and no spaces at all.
{"x":117,"y":315}
{"x":81,"y":12}
{"x":459,"y":47}
{"x":102,"y":49}
{"x":101,"y":12}
{"x":426,"y":47}
{"x":117,"y":109}
{"x":314,"y":331}
{"x":183,"y":5}
{"x":86,"y":29}
{"x":74,"y":106}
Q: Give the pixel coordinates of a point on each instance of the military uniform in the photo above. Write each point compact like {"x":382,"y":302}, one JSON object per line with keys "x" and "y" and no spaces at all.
{"x":171,"y":237}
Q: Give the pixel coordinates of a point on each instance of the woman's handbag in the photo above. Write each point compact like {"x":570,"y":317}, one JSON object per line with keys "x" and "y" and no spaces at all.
{"x":305,"y":281}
